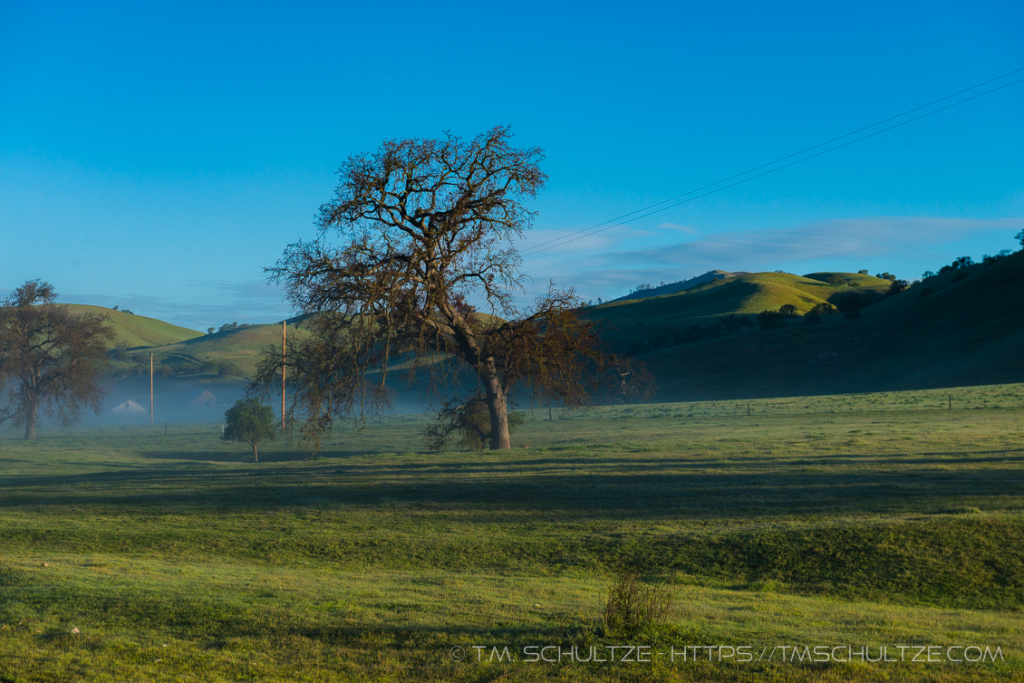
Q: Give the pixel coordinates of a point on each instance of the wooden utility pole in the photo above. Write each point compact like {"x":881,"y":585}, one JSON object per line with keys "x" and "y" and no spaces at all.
{"x":150,"y":390}
{"x":284,"y":350}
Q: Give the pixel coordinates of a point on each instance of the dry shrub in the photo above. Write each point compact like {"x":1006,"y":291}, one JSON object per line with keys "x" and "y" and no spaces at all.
{"x":633,"y":605}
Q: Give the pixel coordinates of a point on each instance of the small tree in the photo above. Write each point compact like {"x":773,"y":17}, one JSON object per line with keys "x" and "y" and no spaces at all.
{"x":251,"y":422}
{"x":49,"y":358}
{"x":788,"y":310}
{"x":1020,"y":238}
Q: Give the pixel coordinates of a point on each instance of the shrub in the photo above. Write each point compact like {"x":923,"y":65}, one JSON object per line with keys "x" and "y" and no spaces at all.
{"x":467,"y":424}
{"x":633,"y":605}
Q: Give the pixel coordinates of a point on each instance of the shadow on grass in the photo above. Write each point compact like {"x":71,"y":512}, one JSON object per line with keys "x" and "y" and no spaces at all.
{"x":616,"y":487}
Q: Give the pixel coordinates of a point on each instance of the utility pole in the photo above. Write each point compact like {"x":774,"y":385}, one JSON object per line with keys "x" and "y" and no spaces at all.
{"x":284,"y":350}
{"x":150,"y":390}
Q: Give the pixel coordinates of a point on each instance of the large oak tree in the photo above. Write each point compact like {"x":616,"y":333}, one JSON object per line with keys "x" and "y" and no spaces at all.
{"x":415,"y":257}
{"x":49,"y":358}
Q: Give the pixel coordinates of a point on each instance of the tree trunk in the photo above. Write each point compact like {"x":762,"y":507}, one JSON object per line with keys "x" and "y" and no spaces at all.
{"x":255,"y":453}
{"x":30,"y":419}
{"x":497,"y":406}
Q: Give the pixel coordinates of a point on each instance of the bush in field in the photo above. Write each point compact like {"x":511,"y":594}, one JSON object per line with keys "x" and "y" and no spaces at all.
{"x":633,"y":605}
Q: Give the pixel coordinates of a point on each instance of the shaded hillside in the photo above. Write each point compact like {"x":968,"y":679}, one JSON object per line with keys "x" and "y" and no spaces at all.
{"x":137,"y":330}
{"x":961,"y":328}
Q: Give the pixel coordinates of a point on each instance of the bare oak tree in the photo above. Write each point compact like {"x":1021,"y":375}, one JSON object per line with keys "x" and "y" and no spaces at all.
{"x":425,"y":264}
{"x":49,"y":358}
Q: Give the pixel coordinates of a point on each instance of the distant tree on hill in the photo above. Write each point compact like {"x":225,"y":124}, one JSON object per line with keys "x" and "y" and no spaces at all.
{"x":814,"y":315}
{"x":886,"y":276}
{"x":49,"y":358}
{"x":957,"y":264}
{"x":251,"y":422}
{"x":927,"y":274}
{"x":987,"y":260}
{"x":1020,"y":238}
{"x":788,"y":310}
{"x":824,"y":308}
{"x":862,"y":272}
{"x":211,"y":330}
{"x":896,"y":287}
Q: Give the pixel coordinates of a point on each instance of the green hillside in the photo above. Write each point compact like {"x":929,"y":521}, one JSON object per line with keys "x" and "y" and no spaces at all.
{"x":961,"y":328}
{"x":231,"y":352}
{"x":138,"y":330}
{"x":628,"y":321}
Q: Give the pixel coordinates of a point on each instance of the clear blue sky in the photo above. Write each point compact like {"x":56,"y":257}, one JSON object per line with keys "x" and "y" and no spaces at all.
{"x":158,"y":156}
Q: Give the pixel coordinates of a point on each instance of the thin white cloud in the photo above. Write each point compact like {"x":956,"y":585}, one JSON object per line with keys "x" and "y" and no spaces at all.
{"x":912,"y":243}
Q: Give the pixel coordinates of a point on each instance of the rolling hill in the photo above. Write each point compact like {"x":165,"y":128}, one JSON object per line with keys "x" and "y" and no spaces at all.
{"x":961,"y":328}
{"x":627,"y":321}
{"x":137,"y":330}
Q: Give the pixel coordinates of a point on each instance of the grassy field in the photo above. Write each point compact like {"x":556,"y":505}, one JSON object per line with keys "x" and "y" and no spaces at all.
{"x":879,"y":520}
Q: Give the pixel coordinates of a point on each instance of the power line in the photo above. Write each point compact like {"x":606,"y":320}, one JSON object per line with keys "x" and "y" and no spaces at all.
{"x":565,"y":238}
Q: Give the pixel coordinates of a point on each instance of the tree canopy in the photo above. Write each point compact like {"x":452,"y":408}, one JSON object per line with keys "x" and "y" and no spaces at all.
{"x":424,"y":263}
{"x":251,"y":422}
{"x":49,"y":358}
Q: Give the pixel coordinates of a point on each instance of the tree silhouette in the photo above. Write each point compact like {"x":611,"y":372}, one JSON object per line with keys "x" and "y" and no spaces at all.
{"x":49,"y":358}
{"x":426,"y":264}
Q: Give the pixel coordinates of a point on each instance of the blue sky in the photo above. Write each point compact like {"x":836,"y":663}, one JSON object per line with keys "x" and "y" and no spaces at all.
{"x":159,"y":156}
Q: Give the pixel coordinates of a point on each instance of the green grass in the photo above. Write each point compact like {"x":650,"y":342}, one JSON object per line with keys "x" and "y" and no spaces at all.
{"x":875,"y":519}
